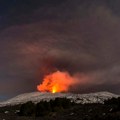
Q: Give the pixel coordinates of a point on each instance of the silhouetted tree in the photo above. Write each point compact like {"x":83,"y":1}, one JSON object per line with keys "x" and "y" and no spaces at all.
{"x":43,"y":108}
{"x":27,"y":109}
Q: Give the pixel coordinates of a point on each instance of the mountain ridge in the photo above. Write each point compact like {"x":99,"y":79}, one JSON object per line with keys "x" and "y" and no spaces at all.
{"x":98,"y":97}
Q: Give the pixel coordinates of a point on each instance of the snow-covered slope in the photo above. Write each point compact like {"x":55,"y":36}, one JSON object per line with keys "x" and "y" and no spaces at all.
{"x":78,"y":98}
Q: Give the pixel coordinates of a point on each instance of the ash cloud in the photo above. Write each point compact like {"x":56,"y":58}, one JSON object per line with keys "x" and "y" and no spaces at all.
{"x":81,"y":37}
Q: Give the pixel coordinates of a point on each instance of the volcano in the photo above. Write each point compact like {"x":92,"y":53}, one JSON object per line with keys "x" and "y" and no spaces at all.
{"x":36,"y":97}
{"x":57,"y":82}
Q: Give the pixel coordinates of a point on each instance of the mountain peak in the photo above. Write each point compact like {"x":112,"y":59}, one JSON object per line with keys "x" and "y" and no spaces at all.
{"x":36,"y":97}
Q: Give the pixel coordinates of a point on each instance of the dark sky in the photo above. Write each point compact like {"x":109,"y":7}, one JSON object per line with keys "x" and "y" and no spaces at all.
{"x":41,"y":36}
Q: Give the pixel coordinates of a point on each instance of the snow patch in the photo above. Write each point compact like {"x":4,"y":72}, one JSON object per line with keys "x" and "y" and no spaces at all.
{"x":36,"y":97}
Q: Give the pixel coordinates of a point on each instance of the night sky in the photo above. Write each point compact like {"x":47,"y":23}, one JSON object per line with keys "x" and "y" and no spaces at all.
{"x":38,"y":37}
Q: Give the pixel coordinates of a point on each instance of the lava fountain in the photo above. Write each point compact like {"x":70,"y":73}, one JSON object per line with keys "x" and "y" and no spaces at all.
{"x":56,"y":82}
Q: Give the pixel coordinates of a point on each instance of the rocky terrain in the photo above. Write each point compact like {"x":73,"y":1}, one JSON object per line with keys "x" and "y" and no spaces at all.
{"x":94,"y":106}
{"x":36,"y":97}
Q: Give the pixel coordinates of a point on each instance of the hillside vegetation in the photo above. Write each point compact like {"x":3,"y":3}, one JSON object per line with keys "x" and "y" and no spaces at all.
{"x":62,"y":109}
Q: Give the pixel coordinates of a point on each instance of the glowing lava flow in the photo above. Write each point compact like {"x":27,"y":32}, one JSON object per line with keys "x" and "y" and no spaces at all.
{"x":56,"y":82}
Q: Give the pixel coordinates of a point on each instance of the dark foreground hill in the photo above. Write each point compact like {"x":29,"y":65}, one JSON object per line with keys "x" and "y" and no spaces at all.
{"x":62,"y":109}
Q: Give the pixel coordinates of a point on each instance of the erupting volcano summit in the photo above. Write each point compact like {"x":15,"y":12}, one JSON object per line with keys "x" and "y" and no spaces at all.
{"x":57,"y":82}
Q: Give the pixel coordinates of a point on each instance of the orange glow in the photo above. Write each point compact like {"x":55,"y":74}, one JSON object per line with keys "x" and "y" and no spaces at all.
{"x":56,"y":82}
{"x":54,"y":90}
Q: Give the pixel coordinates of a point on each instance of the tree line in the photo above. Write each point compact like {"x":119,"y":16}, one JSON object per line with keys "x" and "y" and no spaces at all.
{"x":44,"y":108}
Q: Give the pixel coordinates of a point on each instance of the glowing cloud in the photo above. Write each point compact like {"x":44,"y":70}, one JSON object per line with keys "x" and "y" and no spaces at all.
{"x":57,"y":82}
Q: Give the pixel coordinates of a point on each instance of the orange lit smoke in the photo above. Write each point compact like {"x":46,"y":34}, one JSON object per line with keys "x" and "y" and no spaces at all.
{"x":56,"y":82}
